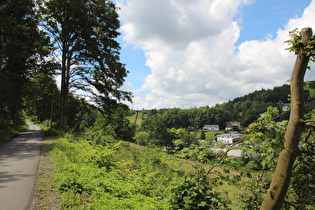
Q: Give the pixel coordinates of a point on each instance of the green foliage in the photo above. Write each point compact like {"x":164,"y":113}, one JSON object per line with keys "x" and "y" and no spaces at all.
{"x":84,"y":33}
{"x":23,"y":48}
{"x":196,"y":192}
{"x":245,"y":109}
{"x":156,"y":127}
{"x":81,"y":114}
{"x":115,"y":123}
{"x":9,"y":129}
{"x":98,"y":138}
{"x":48,"y":128}
{"x":295,"y":43}
{"x":94,"y":172}
{"x":301,"y":194}
{"x":142,"y":138}
{"x":253,"y":193}
{"x":183,"y":136}
{"x":41,"y":98}
{"x":127,"y":176}
{"x":203,"y":135}
{"x":261,"y":150}
{"x":116,"y":176}
{"x":197,"y":152}
{"x":71,"y":184}
{"x":265,"y":140}
{"x":41,"y":102}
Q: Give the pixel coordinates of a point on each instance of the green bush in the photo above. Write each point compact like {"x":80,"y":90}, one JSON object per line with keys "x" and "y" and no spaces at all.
{"x":196,"y":192}
{"x":9,"y":128}
{"x":51,"y":132}
{"x":98,"y":137}
{"x":116,"y":176}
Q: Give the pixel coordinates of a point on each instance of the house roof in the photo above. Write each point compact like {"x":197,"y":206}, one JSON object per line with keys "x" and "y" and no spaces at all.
{"x":212,"y":126}
{"x":229,"y":134}
{"x":233,"y":124}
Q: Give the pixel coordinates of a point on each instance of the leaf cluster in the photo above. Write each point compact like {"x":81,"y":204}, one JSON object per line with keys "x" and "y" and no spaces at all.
{"x":197,"y":192}
{"x":296,"y":45}
{"x":265,"y":139}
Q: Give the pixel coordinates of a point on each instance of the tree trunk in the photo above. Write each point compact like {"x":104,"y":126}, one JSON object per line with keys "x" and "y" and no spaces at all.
{"x":66,"y":95}
{"x":63,"y":87}
{"x":65,"y":78}
{"x":276,"y":194}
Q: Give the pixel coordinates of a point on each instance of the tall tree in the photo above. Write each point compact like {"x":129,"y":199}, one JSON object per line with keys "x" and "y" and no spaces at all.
{"x":41,"y":97}
{"x":22,"y":48}
{"x":84,"y":32}
{"x":303,"y":45}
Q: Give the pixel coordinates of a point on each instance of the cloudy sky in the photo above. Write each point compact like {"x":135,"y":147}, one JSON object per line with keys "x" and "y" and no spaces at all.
{"x":186,"y":53}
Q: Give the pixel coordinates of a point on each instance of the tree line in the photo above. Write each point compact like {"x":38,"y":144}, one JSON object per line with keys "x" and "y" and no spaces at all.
{"x":245,"y":109}
{"x":162,"y":127}
{"x":75,"y":40}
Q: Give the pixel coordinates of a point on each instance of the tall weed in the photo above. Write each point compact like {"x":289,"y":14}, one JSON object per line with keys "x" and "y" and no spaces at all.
{"x":112,"y":177}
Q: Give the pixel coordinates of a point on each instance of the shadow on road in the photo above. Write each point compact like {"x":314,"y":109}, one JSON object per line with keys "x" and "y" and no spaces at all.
{"x":19,"y":159}
{"x":11,"y":177}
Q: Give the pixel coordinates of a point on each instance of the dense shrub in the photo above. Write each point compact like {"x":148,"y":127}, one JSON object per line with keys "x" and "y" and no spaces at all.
{"x":116,"y":176}
{"x":196,"y":192}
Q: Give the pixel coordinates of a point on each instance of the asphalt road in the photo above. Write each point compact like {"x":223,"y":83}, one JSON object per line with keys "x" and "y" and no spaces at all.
{"x":19,"y":159}
{"x":233,"y":152}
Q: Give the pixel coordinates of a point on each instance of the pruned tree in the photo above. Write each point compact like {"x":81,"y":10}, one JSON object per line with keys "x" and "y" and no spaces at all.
{"x":85,"y":33}
{"x":303,"y":45}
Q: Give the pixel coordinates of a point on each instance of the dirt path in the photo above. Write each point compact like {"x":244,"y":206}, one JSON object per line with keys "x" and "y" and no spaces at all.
{"x":19,"y":159}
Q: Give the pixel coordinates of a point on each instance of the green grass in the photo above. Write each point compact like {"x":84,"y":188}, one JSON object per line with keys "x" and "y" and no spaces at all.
{"x":115,"y":177}
{"x":46,"y":193}
{"x":209,"y":134}
{"x":139,"y":119}
{"x":125,"y":176}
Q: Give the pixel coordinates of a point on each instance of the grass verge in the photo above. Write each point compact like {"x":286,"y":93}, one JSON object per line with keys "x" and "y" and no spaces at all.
{"x":45,"y":195}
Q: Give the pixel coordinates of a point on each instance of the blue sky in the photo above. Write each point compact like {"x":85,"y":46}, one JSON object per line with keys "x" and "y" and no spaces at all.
{"x":264,"y":17}
{"x":183,"y":53}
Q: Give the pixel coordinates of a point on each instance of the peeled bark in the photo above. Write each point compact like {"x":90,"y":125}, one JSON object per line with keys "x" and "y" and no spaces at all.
{"x":276,"y":194}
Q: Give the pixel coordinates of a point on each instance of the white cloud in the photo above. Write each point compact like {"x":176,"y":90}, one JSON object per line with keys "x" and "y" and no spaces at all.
{"x":190,"y":49}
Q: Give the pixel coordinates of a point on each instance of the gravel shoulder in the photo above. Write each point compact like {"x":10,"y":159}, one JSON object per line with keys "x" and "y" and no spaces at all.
{"x":45,"y":194}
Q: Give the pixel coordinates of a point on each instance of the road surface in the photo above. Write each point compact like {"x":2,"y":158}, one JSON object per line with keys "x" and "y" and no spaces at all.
{"x":19,"y":159}
{"x":233,"y":152}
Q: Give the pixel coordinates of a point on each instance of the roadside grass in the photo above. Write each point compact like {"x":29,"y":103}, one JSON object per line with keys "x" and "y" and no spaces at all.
{"x":182,"y":166}
{"x":132,"y":118}
{"x":9,"y":133}
{"x":136,"y":169}
{"x":46,"y":192}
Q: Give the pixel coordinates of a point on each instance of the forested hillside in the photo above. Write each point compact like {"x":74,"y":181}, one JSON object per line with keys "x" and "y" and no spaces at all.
{"x":245,"y":109}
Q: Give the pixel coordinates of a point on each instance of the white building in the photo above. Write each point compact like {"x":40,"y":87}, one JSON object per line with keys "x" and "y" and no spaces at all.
{"x":227,"y":138}
{"x":285,"y":107}
{"x":211,"y":128}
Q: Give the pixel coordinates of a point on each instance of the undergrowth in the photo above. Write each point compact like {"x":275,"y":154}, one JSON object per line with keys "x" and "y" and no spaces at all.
{"x":10,"y":132}
{"x":111,"y":177}
{"x":120,"y":176}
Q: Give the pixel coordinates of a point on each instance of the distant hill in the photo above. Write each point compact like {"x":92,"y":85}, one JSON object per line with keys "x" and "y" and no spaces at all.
{"x":245,"y":109}
{"x":277,"y":94}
